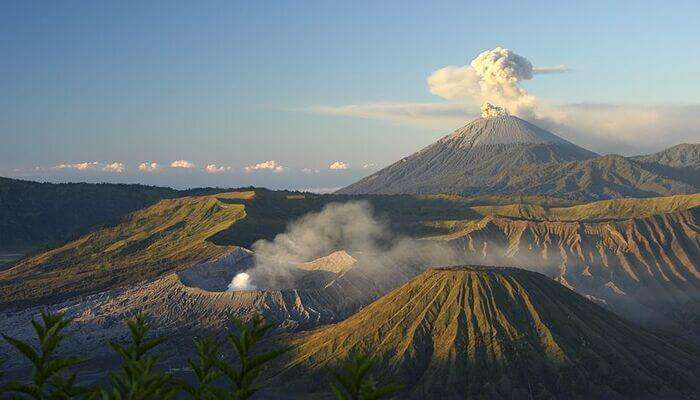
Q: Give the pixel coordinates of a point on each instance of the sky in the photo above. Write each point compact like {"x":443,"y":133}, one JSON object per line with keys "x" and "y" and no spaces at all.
{"x":275,"y":93}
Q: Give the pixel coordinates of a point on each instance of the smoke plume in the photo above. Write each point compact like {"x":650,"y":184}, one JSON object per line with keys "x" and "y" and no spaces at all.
{"x":240,"y":282}
{"x":351,"y":227}
{"x":493,"y":76}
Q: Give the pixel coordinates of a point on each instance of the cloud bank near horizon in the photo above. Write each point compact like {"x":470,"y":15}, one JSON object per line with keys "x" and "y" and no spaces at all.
{"x":182,"y":164}
{"x":112,"y":167}
{"x":336,"y":165}
{"x":270,"y":165}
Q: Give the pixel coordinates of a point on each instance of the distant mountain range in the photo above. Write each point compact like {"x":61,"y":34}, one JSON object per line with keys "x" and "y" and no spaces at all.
{"x":506,"y":155}
{"x":497,"y":333}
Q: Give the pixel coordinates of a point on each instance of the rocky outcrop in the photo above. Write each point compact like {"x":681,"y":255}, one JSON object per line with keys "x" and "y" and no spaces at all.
{"x":640,"y":267}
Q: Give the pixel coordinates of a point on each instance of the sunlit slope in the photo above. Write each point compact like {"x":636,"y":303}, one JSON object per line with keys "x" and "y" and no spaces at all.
{"x":645,"y":268}
{"x":500,"y":334}
{"x":178,"y":233}
{"x":169,"y":235}
{"x":505,"y":155}
{"x":607,"y":177}
{"x":467,"y":160}
{"x":34,"y":214}
{"x":599,"y":210}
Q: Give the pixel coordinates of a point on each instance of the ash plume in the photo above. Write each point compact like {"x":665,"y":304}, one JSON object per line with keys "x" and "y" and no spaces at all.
{"x":493,"y":76}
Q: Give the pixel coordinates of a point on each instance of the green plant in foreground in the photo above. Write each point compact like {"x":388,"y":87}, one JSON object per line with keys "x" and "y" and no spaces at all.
{"x":249,"y":367}
{"x":138,"y":378}
{"x":354,"y":382}
{"x":49,"y":380}
{"x":205,"y":370}
{"x":2,"y":361}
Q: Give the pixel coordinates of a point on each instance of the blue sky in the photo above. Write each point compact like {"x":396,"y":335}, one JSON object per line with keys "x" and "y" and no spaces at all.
{"x":238,"y":83}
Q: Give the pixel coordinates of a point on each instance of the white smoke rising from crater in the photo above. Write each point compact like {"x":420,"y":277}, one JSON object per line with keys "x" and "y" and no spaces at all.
{"x":350,"y":227}
{"x":240,"y":282}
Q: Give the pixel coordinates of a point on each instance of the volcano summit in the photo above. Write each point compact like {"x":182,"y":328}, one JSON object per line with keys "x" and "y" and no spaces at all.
{"x":502,"y":154}
{"x":471,"y":157}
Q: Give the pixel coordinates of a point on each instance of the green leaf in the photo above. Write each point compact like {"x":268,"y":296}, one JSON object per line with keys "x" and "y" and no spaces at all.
{"x":338,"y":393}
{"x":24,"y":348}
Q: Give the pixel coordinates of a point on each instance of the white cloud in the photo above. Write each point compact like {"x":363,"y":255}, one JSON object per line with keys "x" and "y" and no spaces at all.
{"x":427,"y":115}
{"x":269,"y":165}
{"x":453,"y":82}
{"x":310,"y":171}
{"x":82,"y":166}
{"x":31,"y":169}
{"x":115,"y":167}
{"x":215,"y":169}
{"x":557,"y":69}
{"x":604,"y":128}
{"x":184,"y":164}
{"x":368,"y":165}
{"x":320,"y":190}
{"x":624,"y":129}
{"x":338,"y":165}
{"x":149,"y":167}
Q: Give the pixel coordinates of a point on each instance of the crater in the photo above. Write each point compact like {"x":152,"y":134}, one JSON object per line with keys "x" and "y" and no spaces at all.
{"x":216,"y":275}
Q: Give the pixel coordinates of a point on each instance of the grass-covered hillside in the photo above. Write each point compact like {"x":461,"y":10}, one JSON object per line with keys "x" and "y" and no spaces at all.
{"x":174,"y":234}
{"x":638,"y":257}
{"x":171,"y":234}
{"x":599,"y":210}
{"x":497,"y":333}
{"x":35,"y":215}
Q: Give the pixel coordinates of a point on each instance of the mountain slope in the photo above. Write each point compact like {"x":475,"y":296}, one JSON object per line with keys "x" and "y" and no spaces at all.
{"x":598,"y":210}
{"x":606,"y":177}
{"x":175,"y":234}
{"x":34,"y":214}
{"x":647,"y":269}
{"x":501,"y":334}
{"x":469,"y":157}
{"x":685,"y":155}
{"x":169,"y":235}
{"x":681,"y":162}
{"x":199,"y":300}
{"x":504,"y":155}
